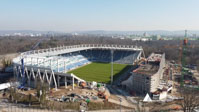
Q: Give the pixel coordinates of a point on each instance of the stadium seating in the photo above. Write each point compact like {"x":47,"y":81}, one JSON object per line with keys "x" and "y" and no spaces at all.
{"x":119,"y":56}
{"x":77,"y":59}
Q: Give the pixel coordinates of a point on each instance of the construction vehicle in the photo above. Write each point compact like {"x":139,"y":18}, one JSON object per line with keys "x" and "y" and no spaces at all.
{"x":83,"y":84}
{"x":22,"y":63}
{"x":176,"y":108}
{"x":139,"y":62}
{"x":102,"y":95}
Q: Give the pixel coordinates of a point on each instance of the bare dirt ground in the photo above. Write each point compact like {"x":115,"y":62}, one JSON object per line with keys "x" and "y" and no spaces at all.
{"x":62,"y":91}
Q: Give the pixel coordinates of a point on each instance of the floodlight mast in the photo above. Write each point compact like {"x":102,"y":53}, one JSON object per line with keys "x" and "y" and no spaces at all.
{"x":112,"y":67}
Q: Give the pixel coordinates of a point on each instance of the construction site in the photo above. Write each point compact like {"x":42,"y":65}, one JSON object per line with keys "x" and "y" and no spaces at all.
{"x":43,"y":79}
{"x":46,"y":73}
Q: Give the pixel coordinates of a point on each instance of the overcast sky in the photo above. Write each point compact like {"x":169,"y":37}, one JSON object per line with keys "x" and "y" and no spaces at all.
{"x":81,"y":15}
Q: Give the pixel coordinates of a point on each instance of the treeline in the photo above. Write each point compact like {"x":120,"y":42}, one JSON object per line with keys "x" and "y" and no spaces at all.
{"x":170,"y":47}
{"x":16,"y":44}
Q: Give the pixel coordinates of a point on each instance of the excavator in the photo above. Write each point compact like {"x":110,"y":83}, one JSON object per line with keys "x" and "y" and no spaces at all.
{"x":102,"y":95}
{"x":83,"y":84}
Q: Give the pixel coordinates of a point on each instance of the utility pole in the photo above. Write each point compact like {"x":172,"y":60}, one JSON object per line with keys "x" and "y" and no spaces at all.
{"x":120,"y":104}
{"x":112,"y":67}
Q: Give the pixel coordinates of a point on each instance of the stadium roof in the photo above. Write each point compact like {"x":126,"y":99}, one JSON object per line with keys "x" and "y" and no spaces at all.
{"x":43,"y":53}
{"x":73,"y":48}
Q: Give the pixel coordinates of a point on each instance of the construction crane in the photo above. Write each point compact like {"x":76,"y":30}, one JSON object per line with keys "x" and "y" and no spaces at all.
{"x":183,"y":47}
{"x":22,"y":63}
{"x":183,"y":53}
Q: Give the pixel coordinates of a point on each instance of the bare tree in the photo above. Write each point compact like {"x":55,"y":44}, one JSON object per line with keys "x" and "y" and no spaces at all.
{"x":197,"y":62}
{"x":41,"y":88}
{"x":6,"y":62}
{"x":190,"y":99}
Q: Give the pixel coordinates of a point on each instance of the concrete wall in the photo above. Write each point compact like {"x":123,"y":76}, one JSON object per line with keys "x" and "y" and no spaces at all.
{"x":155,"y":79}
{"x":138,"y":83}
{"x":162,"y":66}
{"x":163,"y":95}
{"x":143,"y":84}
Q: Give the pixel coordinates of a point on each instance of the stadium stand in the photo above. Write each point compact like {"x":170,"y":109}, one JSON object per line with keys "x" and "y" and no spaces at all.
{"x":74,"y":60}
{"x":52,"y":65}
{"x":80,"y":58}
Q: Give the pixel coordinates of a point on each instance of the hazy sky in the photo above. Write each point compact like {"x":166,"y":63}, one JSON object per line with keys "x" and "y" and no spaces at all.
{"x":78,"y":15}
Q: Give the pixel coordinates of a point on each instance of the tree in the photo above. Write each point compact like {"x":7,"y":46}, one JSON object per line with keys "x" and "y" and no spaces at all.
{"x":41,"y":88}
{"x":6,"y":63}
{"x":190,"y":99}
{"x":197,"y":62}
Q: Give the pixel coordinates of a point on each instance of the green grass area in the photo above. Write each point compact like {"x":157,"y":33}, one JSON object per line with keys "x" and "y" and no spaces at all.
{"x":99,"y":72}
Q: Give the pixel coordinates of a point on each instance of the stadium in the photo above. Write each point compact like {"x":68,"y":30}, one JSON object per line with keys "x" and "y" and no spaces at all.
{"x":69,"y":65}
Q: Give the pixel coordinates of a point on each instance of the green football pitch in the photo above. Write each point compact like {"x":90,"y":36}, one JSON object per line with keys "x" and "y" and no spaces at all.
{"x":99,"y":72}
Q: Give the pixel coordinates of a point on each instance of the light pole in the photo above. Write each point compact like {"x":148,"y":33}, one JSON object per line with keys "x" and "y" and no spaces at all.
{"x":120,"y":104}
{"x":112,"y":67}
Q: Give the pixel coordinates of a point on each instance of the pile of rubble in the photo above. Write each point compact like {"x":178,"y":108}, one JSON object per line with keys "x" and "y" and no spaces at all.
{"x":85,"y":92}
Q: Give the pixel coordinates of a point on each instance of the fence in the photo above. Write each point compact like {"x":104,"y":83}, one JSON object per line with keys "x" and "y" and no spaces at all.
{"x":26,"y":108}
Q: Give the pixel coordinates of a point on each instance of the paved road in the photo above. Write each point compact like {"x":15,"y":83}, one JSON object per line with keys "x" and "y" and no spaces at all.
{"x":120,"y":95}
{"x":122,"y":110}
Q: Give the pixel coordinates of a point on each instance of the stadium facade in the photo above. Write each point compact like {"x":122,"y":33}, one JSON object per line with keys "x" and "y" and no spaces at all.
{"x":51,"y":65}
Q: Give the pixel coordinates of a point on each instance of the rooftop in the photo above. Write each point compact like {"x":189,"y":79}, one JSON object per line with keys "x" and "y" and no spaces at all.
{"x":154,"y":57}
{"x":147,"y":69}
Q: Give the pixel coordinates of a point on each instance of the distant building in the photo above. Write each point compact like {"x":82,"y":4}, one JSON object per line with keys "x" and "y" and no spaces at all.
{"x":145,"y":34}
{"x":140,"y":39}
{"x":194,"y":35}
{"x":146,"y":78}
{"x":158,"y":37}
{"x":17,"y":34}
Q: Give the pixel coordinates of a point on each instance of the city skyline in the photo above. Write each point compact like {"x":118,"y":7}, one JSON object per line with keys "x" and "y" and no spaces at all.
{"x":112,"y":15}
